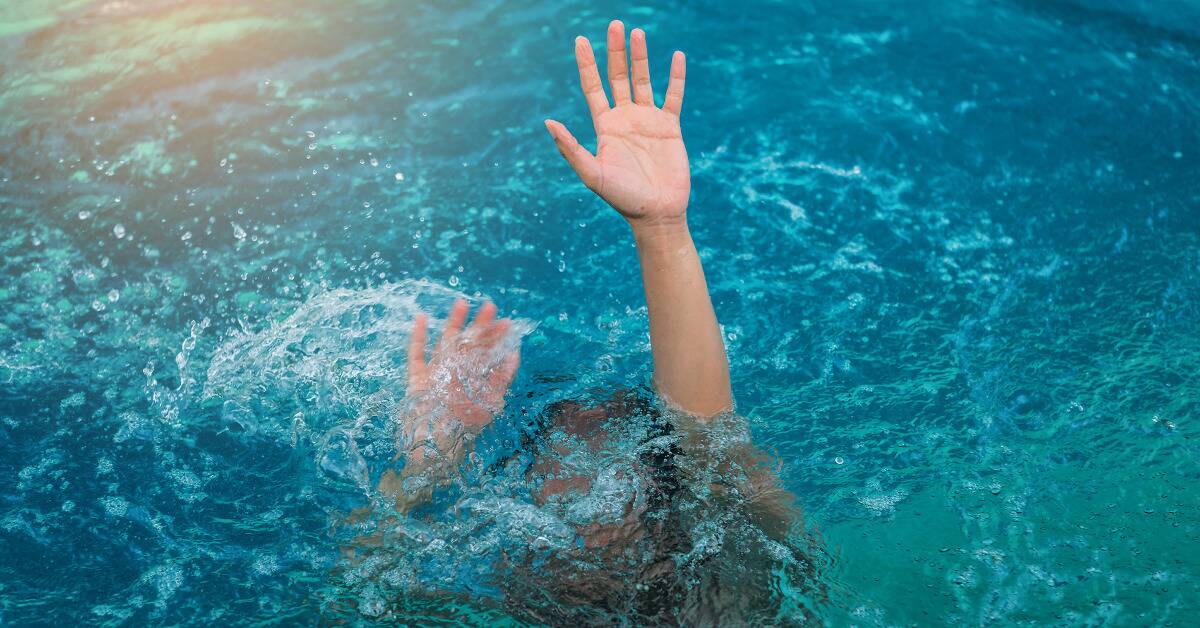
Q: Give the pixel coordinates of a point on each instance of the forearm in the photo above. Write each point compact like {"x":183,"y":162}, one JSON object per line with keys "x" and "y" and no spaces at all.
{"x":691,"y":370}
{"x":431,"y":455}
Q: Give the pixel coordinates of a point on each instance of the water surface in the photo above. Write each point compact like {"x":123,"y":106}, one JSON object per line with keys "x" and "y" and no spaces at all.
{"x":955,"y":247}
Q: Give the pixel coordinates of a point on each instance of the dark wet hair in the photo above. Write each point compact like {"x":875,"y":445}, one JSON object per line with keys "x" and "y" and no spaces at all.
{"x":658,"y":588}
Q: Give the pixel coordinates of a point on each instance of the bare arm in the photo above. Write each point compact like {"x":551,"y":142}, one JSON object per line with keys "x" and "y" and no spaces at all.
{"x":641,"y":169}
{"x":690,"y":368}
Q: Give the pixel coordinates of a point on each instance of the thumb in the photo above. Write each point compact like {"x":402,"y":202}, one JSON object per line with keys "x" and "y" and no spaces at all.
{"x":583,"y":162}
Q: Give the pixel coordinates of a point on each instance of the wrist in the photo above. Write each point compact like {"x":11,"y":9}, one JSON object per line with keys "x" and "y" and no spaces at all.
{"x":660,"y":231}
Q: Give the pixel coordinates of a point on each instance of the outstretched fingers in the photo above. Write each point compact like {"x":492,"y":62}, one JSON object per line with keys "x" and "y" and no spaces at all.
{"x":484,"y":317}
{"x":418,"y":371}
{"x":495,"y":332}
{"x":583,"y":162}
{"x":643,"y":93}
{"x":589,"y":78}
{"x":618,"y":70}
{"x":454,"y":323}
{"x":674,"y":99}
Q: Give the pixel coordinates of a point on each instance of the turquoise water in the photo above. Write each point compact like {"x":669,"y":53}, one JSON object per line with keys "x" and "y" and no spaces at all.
{"x":955,"y":248}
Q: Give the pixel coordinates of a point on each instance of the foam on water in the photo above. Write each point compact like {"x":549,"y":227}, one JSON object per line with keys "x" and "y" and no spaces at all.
{"x":337,"y":359}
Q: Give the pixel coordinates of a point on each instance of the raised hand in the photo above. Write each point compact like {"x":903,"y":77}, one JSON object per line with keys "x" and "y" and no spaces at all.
{"x":459,"y":390}
{"x":640,"y":166}
{"x":462,"y":376}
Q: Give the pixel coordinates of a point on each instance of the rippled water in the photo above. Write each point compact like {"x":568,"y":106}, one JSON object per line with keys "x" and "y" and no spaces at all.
{"x":955,"y":247}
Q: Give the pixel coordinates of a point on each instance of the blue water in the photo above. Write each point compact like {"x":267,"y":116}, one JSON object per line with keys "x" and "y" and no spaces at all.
{"x":954,"y":246}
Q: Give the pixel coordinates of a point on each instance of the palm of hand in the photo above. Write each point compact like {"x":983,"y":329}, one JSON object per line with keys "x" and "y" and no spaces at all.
{"x":472,"y":395}
{"x":640,"y":166}
{"x":643,"y":164}
{"x":461,"y":377}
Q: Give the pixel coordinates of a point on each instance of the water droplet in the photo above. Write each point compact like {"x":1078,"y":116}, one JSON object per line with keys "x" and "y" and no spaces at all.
{"x":119,"y":230}
{"x":113,"y":296}
{"x":838,"y":460}
{"x":238,"y":232}
{"x":98,"y":305}
{"x":454,"y":280}
{"x":399,"y":176}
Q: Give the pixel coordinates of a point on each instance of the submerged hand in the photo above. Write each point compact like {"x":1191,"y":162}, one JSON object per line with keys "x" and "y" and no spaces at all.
{"x":460,"y":388}
{"x":640,"y":166}
{"x":461,"y":376}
